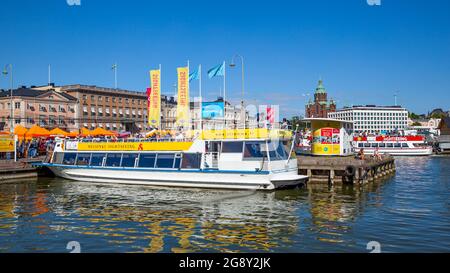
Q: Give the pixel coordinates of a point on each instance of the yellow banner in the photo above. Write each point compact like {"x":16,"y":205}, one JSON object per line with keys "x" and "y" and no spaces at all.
{"x":154,"y":111}
{"x":134,"y":146}
{"x":6,"y":144}
{"x":260,"y":133}
{"x":183,"y":97}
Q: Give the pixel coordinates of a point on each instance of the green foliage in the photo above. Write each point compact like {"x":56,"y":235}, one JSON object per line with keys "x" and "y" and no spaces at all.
{"x":296,"y":120}
{"x":436,"y":115}
{"x":413,"y":116}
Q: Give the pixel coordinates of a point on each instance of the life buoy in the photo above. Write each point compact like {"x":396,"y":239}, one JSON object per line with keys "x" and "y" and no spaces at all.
{"x":350,"y":171}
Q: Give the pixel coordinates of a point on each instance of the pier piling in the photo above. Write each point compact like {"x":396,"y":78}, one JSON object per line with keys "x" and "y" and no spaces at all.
{"x":344,"y":170}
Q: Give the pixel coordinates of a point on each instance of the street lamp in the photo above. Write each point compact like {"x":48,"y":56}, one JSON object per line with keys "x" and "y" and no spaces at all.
{"x":5,"y":72}
{"x":232,"y":65}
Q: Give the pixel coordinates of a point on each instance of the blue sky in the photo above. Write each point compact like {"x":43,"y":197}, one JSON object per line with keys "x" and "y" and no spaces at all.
{"x":363,"y":53}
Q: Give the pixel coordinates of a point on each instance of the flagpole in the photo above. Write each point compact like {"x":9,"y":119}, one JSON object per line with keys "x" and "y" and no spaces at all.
{"x":159,"y":115}
{"x":224,"y":96}
{"x":188,"y":98}
{"x":200,"y":94}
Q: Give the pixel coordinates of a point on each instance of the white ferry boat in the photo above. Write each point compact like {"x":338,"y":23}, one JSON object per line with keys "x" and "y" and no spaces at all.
{"x":407,"y":145}
{"x":258,"y":160}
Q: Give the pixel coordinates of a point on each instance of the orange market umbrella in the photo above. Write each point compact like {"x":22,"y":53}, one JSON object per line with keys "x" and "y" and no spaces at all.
{"x":85,"y":132}
{"x":37,"y":131}
{"x":58,"y":132}
{"x":73,"y":134}
{"x":102,"y":132}
{"x":20,"y":131}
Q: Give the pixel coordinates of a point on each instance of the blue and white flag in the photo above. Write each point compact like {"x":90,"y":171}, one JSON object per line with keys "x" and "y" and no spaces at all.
{"x":218,"y":70}
{"x":195,"y":75}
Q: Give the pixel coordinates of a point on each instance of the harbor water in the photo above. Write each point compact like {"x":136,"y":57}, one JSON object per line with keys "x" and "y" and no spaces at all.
{"x":408,"y":212}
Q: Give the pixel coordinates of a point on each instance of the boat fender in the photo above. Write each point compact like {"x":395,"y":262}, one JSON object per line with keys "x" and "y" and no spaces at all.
{"x":350,"y":171}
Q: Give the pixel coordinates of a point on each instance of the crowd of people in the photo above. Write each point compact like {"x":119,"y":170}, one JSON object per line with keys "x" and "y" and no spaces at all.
{"x":376,"y":155}
{"x":31,"y":148}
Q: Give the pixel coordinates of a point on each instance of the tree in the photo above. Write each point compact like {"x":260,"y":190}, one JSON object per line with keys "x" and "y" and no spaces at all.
{"x":438,"y":115}
{"x":413,"y":116}
{"x":296,"y":120}
{"x":416,"y":124}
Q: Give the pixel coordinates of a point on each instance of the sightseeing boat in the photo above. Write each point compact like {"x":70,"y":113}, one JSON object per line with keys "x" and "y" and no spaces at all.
{"x":256,"y":159}
{"x":393,"y":145}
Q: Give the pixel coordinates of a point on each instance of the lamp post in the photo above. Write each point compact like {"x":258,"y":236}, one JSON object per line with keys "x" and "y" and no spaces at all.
{"x":114,"y":67}
{"x":233,"y":64}
{"x":11,"y":116}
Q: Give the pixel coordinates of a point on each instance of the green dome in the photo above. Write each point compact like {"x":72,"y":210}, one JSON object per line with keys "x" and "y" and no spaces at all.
{"x":320,"y":88}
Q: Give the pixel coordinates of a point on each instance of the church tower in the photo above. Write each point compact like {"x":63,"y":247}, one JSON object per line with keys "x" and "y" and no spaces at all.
{"x":321,"y":106}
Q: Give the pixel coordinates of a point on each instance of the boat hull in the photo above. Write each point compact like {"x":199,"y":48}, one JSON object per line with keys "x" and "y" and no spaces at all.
{"x":191,"y":179}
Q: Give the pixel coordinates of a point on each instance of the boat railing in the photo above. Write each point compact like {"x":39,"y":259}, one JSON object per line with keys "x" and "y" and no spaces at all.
{"x":135,"y":140}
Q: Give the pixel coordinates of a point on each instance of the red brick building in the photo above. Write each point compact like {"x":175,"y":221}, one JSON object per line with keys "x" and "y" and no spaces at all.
{"x":321,"y":106}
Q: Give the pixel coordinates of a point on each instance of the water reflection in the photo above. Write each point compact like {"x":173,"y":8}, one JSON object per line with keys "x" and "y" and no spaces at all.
{"x":45,"y":215}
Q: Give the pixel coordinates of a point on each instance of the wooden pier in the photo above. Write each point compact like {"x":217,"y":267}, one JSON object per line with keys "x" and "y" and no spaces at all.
{"x":21,"y":170}
{"x":344,"y":170}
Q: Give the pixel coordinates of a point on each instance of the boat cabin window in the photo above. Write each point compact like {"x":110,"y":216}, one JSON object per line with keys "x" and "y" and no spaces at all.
{"x":232,"y":147}
{"x":128,"y":160}
{"x":382,"y":145}
{"x":404,"y":145}
{"x":253,"y":149}
{"x":397,"y":145}
{"x":69,"y":158}
{"x":367,"y":145}
{"x":113,"y":160}
{"x":147,"y":160}
{"x":165,"y":161}
{"x":58,"y":158}
{"x":390,"y":145}
{"x":97,"y":159}
{"x":280,"y":151}
{"x":360,"y":145}
{"x":191,"y":161}
{"x":374,"y":145}
{"x":83,"y":159}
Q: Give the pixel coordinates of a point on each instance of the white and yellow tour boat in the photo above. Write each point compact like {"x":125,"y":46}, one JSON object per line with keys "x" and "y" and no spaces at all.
{"x":253,"y":159}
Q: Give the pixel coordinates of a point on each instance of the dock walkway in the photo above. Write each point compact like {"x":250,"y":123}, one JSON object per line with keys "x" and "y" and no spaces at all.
{"x":11,"y":171}
{"x":344,"y":170}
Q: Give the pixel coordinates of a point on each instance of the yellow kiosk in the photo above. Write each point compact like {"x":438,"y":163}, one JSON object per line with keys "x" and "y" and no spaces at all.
{"x":331,"y":137}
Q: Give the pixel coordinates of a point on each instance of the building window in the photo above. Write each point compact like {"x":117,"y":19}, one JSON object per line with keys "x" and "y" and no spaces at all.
{"x":42,"y":121}
{"x":17,"y":121}
{"x":30,"y":120}
{"x":52,"y":120}
{"x":17,"y":105}
{"x":106,"y":99}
